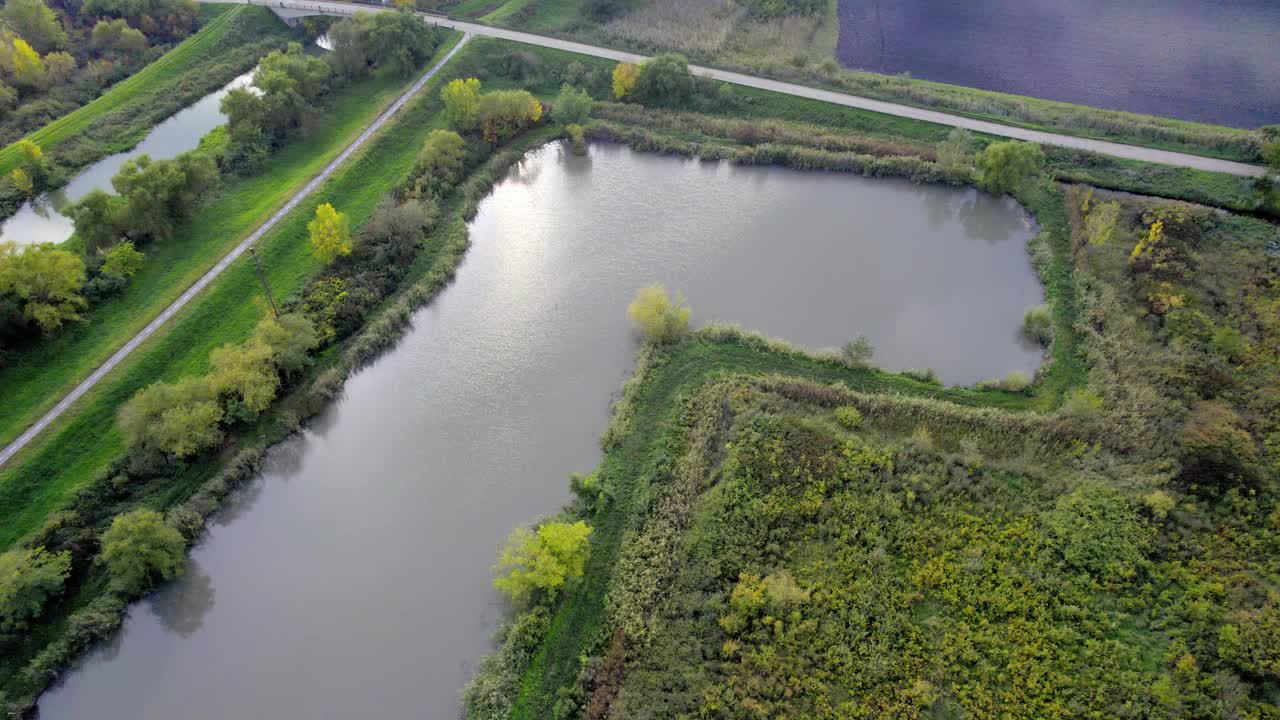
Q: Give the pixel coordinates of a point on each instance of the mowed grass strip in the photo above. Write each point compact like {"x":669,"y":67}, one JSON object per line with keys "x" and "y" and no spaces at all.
{"x":218,"y":21}
{"x":40,"y":480}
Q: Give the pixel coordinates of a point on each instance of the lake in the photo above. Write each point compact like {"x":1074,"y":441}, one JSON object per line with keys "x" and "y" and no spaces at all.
{"x":352,"y":579}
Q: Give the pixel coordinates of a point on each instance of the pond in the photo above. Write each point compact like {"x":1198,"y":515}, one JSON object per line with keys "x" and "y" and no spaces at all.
{"x":353,"y":578}
{"x":1211,"y":62}
{"x":41,"y":220}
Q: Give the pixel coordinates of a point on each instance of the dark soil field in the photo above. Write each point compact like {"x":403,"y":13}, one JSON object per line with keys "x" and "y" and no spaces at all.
{"x":1198,"y":60}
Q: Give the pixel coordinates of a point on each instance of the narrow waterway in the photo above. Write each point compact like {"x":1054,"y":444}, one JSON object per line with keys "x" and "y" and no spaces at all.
{"x":41,"y":220}
{"x":352,"y":579}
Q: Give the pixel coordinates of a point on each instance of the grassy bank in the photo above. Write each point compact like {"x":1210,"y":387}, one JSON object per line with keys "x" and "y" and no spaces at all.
{"x":36,"y":480}
{"x":229,"y":44}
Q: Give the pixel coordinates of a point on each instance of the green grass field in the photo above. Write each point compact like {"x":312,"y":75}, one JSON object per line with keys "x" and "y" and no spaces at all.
{"x":66,"y":456}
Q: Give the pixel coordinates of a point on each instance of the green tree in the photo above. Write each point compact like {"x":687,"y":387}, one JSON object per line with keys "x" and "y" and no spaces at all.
{"x":118,"y":36}
{"x":289,"y":339}
{"x":504,"y":113}
{"x":33,"y":20}
{"x":1006,"y":166}
{"x":572,"y":106}
{"x":542,"y":561}
{"x":28,"y":578}
{"x":58,"y":68}
{"x":46,"y":281}
{"x":330,"y":234}
{"x":956,"y":152}
{"x":1096,"y":529}
{"x":462,"y":104}
{"x":8,"y":98}
{"x":176,"y":418}
{"x":22,"y":181}
{"x":624,"y":79}
{"x":397,"y":42}
{"x":664,"y":80}
{"x":245,"y":374}
{"x":123,"y":260}
{"x":440,"y":163}
{"x":98,"y":218}
{"x":139,"y":549}
{"x":161,"y":194}
{"x":657,"y":316}
{"x":33,"y":160}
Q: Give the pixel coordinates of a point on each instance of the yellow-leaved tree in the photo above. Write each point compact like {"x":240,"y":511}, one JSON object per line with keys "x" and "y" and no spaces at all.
{"x":625,"y":75}
{"x":330,"y":234}
{"x":462,"y":103}
{"x":542,"y":561}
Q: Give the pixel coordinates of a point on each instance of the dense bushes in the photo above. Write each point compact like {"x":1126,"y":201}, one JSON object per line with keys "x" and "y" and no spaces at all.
{"x":153,"y":197}
{"x":1006,"y":166}
{"x":189,"y":416}
{"x":28,"y":579}
{"x":397,"y":42}
{"x":499,"y":115}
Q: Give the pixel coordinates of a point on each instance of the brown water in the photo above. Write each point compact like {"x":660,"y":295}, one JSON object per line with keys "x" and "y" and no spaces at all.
{"x":352,"y":580}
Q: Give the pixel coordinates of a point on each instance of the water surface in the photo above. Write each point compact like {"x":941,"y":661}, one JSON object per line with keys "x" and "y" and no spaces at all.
{"x":41,"y":220}
{"x":1212,"y":62}
{"x":352,"y":579}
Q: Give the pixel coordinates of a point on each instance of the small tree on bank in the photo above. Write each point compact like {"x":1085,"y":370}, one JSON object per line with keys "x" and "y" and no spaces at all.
{"x":624,"y":79}
{"x":139,"y":549}
{"x":542,"y":561}
{"x":1006,"y":166}
{"x":657,"y":316}
{"x":28,"y":578}
{"x":462,"y":104}
{"x":330,"y":234}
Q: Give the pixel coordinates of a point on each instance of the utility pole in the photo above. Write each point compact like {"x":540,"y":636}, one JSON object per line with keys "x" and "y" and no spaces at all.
{"x":257,"y":265}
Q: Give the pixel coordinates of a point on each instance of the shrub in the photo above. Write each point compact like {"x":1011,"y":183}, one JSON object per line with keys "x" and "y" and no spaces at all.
{"x":1010,"y":165}
{"x":956,"y":152}
{"x":1097,"y":530}
{"x":542,"y":561}
{"x":503,"y":113}
{"x":1037,"y":325}
{"x":440,"y":163}
{"x":1082,"y":403}
{"x":1215,"y":446}
{"x":578,"y":138}
{"x":177,"y":418}
{"x":1101,"y":222}
{"x":1158,"y":503}
{"x":664,"y":80}
{"x":140,"y":548}
{"x":28,"y":578}
{"x":927,"y":375}
{"x":857,"y":352}
{"x":123,"y":261}
{"x":849,"y":417}
{"x":660,"y":319}
{"x":573,"y":106}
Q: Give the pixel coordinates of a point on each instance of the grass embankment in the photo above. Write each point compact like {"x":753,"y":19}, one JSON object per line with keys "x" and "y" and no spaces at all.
{"x":43,"y":475}
{"x":230,"y":42}
{"x":784,"y":49}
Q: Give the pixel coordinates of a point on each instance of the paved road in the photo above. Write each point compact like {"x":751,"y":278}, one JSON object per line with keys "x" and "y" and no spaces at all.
{"x":327,"y":7}
{"x":222,"y":265}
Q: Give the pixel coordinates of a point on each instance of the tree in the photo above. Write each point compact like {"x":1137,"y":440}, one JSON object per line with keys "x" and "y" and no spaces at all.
{"x":664,"y":80}
{"x":578,"y":137}
{"x":22,"y":181}
{"x":58,"y":68}
{"x":503,"y":113}
{"x":117,"y":35}
{"x":624,"y":79}
{"x":956,"y":152}
{"x":98,"y":218}
{"x":288,"y":338}
{"x":398,"y":42}
{"x":441,"y":162}
{"x":123,"y":260}
{"x":33,"y":160}
{"x":660,"y":319}
{"x":140,"y":548}
{"x":462,"y":103}
{"x":572,"y":106}
{"x":176,"y":418}
{"x":8,"y":98}
{"x":330,"y":234}
{"x":542,"y":561}
{"x":46,"y":281}
{"x":28,"y":578}
{"x":245,"y":375}
{"x":28,"y":71}
{"x":160,"y":194}
{"x":33,"y":20}
{"x":1006,"y":166}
